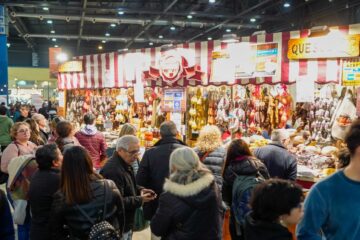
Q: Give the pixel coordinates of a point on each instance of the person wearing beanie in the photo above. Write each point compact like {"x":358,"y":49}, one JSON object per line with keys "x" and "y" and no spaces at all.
{"x":190,"y":197}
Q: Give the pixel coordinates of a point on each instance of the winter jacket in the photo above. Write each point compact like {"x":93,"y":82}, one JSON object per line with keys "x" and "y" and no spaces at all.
{"x":44,"y":136}
{"x":43,"y":185}
{"x":5,"y":126}
{"x":7,"y":226}
{"x":279,"y":161}
{"x":95,"y":143}
{"x":78,"y":225}
{"x":123,"y":175}
{"x":154,"y":168}
{"x":191,"y":211}
{"x":241,"y":167}
{"x":214,"y":161}
{"x":259,"y":230}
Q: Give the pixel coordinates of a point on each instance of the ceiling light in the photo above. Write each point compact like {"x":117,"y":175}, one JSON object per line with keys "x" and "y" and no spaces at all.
{"x":45,"y":8}
{"x":107,"y":34}
{"x":52,"y":31}
{"x":172,"y":28}
{"x":286,"y":5}
{"x":121,"y":13}
{"x":189,"y":16}
{"x":103,"y":41}
{"x":151,"y":43}
{"x":161,"y":36}
{"x":100,"y":47}
{"x":62,"y":57}
{"x":49,"y":21}
{"x":229,"y":38}
{"x":113,"y":25}
{"x":252,"y":19}
{"x":56,"y":46}
{"x":228,"y":30}
{"x":8,"y":45}
{"x":212,"y":1}
{"x":209,"y":38}
{"x":54,"y":39}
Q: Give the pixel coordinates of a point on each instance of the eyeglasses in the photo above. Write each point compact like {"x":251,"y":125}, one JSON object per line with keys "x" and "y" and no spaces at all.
{"x":135,"y":152}
{"x":23,"y":131}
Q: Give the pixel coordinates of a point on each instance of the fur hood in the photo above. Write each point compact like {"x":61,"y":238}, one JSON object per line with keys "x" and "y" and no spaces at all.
{"x":190,"y":189}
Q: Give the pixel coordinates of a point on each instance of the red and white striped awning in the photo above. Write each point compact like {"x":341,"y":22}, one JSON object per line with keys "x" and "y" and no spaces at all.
{"x":115,"y":70}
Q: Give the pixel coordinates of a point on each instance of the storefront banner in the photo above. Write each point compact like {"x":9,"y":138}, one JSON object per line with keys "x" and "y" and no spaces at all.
{"x":53,"y":62}
{"x":330,"y":46}
{"x":174,"y":100}
{"x":223,"y":67}
{"x":172,"y":66}
{"x":71,"y":66}
{"x":244,"y":60}
{"x":351,"y":72}
{"x":305,"y":89}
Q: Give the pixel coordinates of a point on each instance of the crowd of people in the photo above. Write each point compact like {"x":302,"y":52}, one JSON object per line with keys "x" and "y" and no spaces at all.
{"x":64,"y":184}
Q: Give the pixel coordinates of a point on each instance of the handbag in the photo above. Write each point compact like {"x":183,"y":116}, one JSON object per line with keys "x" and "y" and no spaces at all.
{"x":140,"y":223}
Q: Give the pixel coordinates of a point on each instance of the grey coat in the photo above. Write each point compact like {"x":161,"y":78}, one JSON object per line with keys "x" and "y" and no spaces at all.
{"x":215,"y":162}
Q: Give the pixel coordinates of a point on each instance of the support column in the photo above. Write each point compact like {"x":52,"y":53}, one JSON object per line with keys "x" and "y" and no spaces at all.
{"x":3,"y":57}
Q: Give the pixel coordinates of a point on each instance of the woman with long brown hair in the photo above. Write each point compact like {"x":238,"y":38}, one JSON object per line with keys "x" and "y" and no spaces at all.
{"x":35,"y":136}
{"x":81,"y":196}
{"x":66,"y":133}
{"x":239,"y":162}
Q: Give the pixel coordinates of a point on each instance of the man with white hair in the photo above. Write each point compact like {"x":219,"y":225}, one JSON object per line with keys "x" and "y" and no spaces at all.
{"x":119,"y":169}
{"x":278,"y":160}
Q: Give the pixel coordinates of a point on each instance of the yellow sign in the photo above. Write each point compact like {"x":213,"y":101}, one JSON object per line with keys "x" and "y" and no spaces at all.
{"x":71,"y":66}
{"x":351,"y":73}
{"x":324,"y":47}
{"x":220,"y":54}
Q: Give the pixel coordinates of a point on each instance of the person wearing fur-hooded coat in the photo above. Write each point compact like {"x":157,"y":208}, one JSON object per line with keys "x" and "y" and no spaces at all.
{"x":190,"y":197}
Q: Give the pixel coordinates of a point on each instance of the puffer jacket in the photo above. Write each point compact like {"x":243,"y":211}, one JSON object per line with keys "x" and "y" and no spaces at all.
{"x":191,"y":211}
{"x":214,"y":161}
{"x":78,"y":225}
{"x":242,"y":166}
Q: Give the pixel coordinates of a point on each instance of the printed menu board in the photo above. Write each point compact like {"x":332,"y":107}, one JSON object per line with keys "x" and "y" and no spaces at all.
{"x":174,"y":100}
{"x":351,"y":73}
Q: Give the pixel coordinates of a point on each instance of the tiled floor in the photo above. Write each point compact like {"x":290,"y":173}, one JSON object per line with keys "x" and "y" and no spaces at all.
{"x":143,"y":235}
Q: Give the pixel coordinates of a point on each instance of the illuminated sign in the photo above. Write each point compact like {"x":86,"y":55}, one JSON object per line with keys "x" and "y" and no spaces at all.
{"x":71,"y":66}
{"x":324,"y":47}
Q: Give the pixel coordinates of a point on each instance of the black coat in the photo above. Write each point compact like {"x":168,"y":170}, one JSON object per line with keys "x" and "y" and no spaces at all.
{"x":154,"y":168}
{"x":279,"y":161}
{"x":78,"y":225}
{"x":241,"y":168}
{"x":123,"y":175}
{"x":259,"y":230}
{"x":43,"y":185}
{"x":190,"y":212}
{"x":44,"y":136}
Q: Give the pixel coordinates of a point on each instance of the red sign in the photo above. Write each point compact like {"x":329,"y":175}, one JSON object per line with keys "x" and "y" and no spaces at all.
{"x":173,"y":67}
{"x":53,"y":63}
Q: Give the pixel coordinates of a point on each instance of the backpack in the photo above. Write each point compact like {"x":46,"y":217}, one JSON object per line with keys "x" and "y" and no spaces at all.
{"x":101,"y":230}
{"x":241,"y":193}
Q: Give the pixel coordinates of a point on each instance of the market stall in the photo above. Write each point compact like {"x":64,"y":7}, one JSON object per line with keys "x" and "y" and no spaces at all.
{"x":300,"y":79}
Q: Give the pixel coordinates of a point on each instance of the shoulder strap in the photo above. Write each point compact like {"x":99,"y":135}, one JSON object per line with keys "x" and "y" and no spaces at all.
{"x":104,"y":213}
{"x":17,"y":146}
{"x":203,"y":157}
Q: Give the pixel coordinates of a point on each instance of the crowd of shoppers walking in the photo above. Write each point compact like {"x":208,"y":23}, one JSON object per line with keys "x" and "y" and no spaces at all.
{"x":63,"y":186}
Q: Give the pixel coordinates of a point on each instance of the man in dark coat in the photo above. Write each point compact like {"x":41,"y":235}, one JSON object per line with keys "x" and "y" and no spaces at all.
{"x":278,"y":160}
{"x":44,"y":183}
{"x":119,"y":169}
{"x":154,"y":167}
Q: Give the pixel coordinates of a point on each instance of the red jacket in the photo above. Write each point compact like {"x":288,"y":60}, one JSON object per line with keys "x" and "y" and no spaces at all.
{"x":96,"y":146}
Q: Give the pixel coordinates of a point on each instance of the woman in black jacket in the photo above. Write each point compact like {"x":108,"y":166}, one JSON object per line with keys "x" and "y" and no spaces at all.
{"x":82,"y":188}
{"x":276,"y":204}
{"x":190,"y":207}
{"x":239,"y":162}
